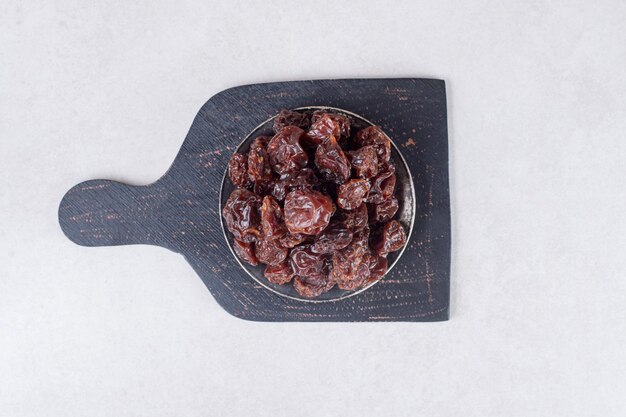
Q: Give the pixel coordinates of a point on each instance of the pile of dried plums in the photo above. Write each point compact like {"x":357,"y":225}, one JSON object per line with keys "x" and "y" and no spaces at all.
{"x":306,"y":200}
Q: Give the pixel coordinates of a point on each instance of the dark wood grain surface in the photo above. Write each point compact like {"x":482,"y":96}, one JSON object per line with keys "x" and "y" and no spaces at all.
{"x":181,"y":210}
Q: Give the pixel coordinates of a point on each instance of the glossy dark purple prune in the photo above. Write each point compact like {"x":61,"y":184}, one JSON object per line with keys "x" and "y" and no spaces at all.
{"x":374,"y":136}
{"x":309,"y":290}
{"x":388,"y":238}
{"x":306,"y":263}
{"x":238,"y":170}
{"x":349,"y":264}
{"x":378,"y":268}
{"x":361,"y":238}
{"x":383,"y":212}
{"x":364,"y":161}
{"x":358,"y":277}
{"x":383,"y":186}
{"x":245,"y":251}
{"x":354,"y":220}
{"x":290,"y":223}
{"x":352,"y":193}
{"x":285,"y":151}
{"x":342,"y":122}
{"x":269,"y":252}
{"x":263,"y":187}
{"x":242,"y":215}
{"x":307,"y":212}
{"x":331,"y":162}
{"x":305,"y":179}
{"x":325,"y":125}
{"x":280,"y":273}
{"x":335,"y":237}
{"x":259,"y":169}
{"x":272,"y":219}
{"x":290,"y":240}
{"x":291,"y":118}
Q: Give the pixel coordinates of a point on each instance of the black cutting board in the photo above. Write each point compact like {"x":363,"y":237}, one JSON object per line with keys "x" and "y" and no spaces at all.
{"x":180,"y":211}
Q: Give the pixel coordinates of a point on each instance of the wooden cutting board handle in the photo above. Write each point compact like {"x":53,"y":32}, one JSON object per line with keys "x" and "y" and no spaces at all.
{"x":106,"y":213}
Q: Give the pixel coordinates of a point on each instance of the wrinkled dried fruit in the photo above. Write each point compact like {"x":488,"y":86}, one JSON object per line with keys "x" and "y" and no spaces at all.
{"x":365,"y":161}
{"x":306,"y":263}
{"x":291,"y":240}
{"x":283,"y":214}
{"x":389,"y":238}
{"x":307,"y":212}
{"x":383,"y":186}
{"x":335,"y":237}
{"x":308,"y":290}
{"x":358,"y":277}
{"x":325,"y":125}
{"x":263,"y":187}
{"x":269,"y":252}
{"x":339,"y":119}
{"x":332,"y":162}
{"x":285,"y":151}
{"x":259,"y":169}
{"x":238,"y":170}
{"x":280,"y":273}
{"x":378,"y":268}
{"x":352,"y":193}
{"x":305,"y":179}
{"x":291,"y":118}
{"x":347,"y":263}
{"x":361,"y":237}
{"x":241,"y":215}
{"x":375,"y":137}
{"x":245,"y":251}
{"x":272,"y":221}
{"x":383,"y":212}
{"x":354,"y":220}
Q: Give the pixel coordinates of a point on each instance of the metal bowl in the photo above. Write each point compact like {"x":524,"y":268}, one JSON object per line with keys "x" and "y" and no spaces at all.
{"x":405,"y":193}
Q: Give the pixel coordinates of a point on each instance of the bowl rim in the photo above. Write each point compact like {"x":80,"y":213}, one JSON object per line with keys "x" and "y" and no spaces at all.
{"x":351,"y":293}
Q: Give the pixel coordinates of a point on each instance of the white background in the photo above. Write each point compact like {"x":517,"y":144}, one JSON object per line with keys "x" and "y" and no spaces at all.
{"x":537,"y":118}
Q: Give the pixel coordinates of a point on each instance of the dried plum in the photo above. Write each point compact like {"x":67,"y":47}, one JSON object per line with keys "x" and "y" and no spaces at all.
{"x":238,"y":170}
{"x":283,"y":214}
{"x":285,"y":151}
{"x":291,"y":118}
{"x":327,"y":125}
{"x":280,"y":273}
{"x":305,"y":179}
{"x":364,"y":161}
{"x":307,"y":212}
{"x":383,"y":186}
{"x":375,"y":137}
{"x":352,"y":193}
{"x":354,"y":220}
{"x":340,"y":120}
{"x":388,"y":238}
{"x":272,"y":221}
{"x":379,"y":213}
{"x":378,"y":268}
{"x":290,"y":240}
{"x":332,"y":162}
{"x":241,"y":215}
{"x":335,"y":237}
{"x":309,"y":290}
{"x":307,"y":263}
{"x":259,"y":169}
{"x":245,"y":251}
{"x":347,"y":263}
{"x":358,"y":277}
{"x":270,"y":252}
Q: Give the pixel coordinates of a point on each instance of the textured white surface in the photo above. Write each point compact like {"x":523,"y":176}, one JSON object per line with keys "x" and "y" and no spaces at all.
{"x":537,"y":117}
